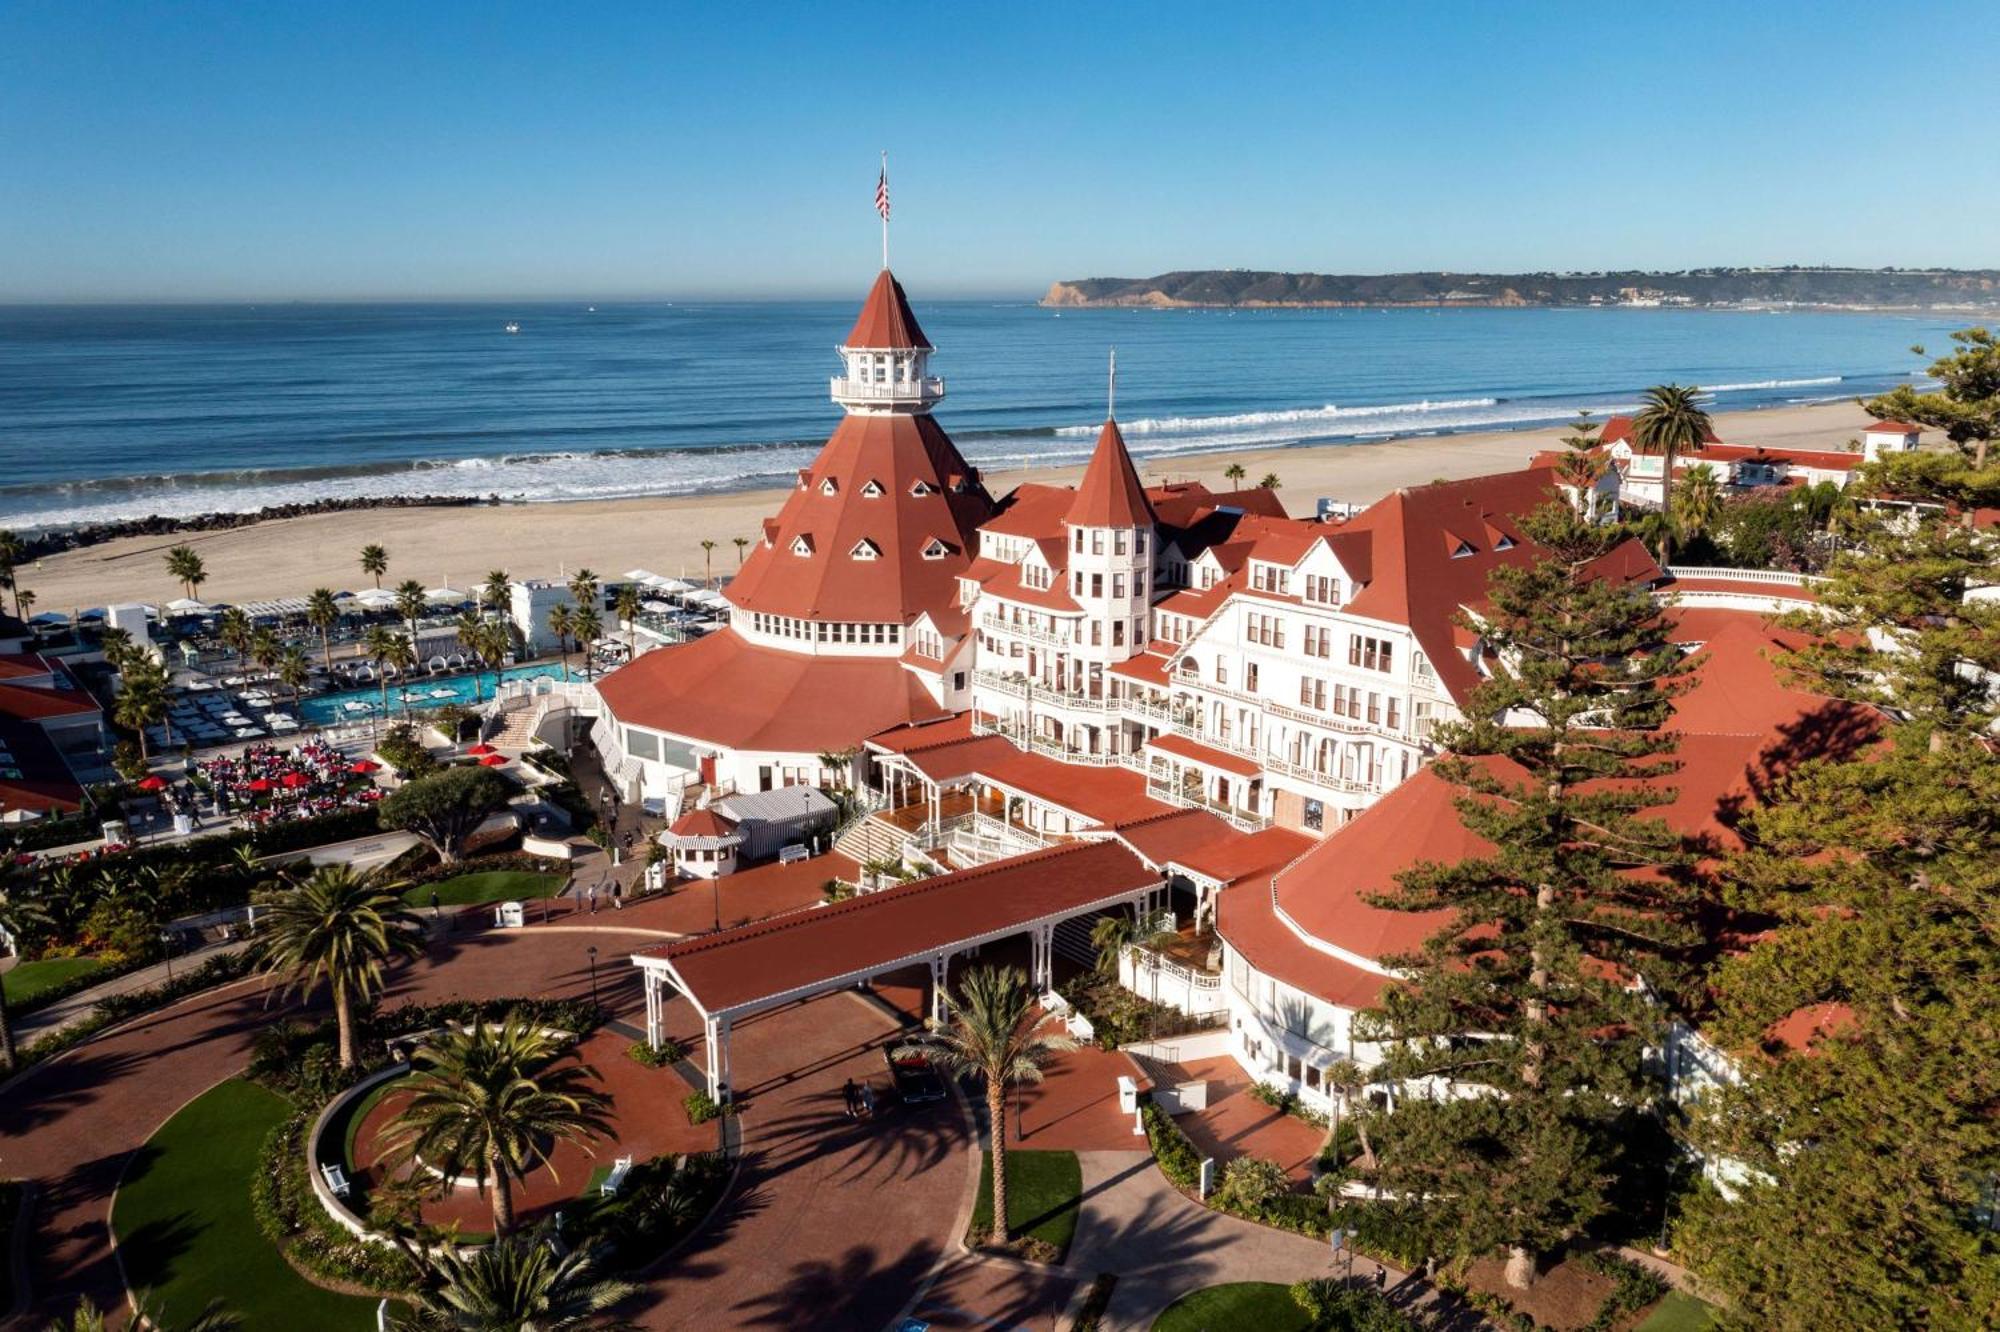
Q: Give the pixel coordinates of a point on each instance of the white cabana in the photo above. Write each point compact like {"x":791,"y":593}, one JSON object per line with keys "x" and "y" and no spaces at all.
{"x":640,"y":576}
{"x":376,"y":598}
{"x":188,"y":606}
{"x":670,"y":586}
{"x":656,"y":608}
{"x":447,"y":596}
{"x":707,"y":597}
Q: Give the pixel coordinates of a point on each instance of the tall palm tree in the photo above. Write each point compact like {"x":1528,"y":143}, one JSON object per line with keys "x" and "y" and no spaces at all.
{"x":380,"y":645}
{"x":375,"y":562}
{"x":496,"y":590}
{"x":24,"y":601}
{"x":588,"y":626}
{"x":265,"y":649}
{"x":322,"y":613}
{"x":400,"y":653}
{"x":235,"y":631}
{"x":1108,"y":938}
{"x":1350,"y":1081}
{"x":584,"y":590}
{"x":1235,"y":472}
{"x":338,"y":928}
{"x":498,"y":642}
{"x":116,"y":644}
{"x":742,"y":544}
{"x":518,"y":1283}
{"x":471,"y":633}
{"x":1698,"y":504}
{"x":562,"y":623}
{"x":708,"y":562}
{"x":410,"y":603}
{"x":18,"y":916}
{"x":142,"y":699}
{"x":12,"y":551}
{"x":1671,"y":423}
{"x":187,"y":569}
{"x":489,"y":1102}
{"x":994,"y":1034}
{"x":626,"y":608}
{"x":293,"y":670}
{"x":1269,"y":481}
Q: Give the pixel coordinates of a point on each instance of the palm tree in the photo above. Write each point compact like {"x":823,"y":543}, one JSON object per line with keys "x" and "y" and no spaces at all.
{"x":380,"y":645}
{"x":1698,"y":504}
{"x":1235,"y":472}
{"x":742,"y":544}
{"x":470,"y":631}
{"x":337,"y":927}
{"x":235,"y":631}
{"x":993,"y":1034}
{"x":626,"y":608}
{"x":374,"y":561}
{"x":518,"y":1283}
{"x":1108,"y":938}
{"x":12,"y":551}
{"x":488,"y":1102}
{"x":116,"y":645}
{"x":1269,"y":481}
{"x":562,"y":623}
{"x":186,"y":568}
{"x":400,"y":653}
{"x":265,"y":648}
{"x":18,"y":917}
{"x":498,"y":642}
{"x":584,"y":587}
{"x":293,"y":670}
{"x":322,"y":613}
{"x":708,"y":562}
{"x":588,"y":626}
{"x":1349,"y":1080}
{"x":497,"y":590}
{"x":142,"y":699}
{"x":410,"y":603}
{"x":24,"y":601}
{"x":214,"y":1317}
{"x":1671,"y":423}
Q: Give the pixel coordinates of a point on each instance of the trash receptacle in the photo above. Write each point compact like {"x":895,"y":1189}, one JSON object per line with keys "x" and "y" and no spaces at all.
{"x":509,"y":916}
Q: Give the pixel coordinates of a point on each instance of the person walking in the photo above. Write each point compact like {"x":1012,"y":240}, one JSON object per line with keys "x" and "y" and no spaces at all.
{"x":617,"y":895}
{"x":590,"y":895}
{"x":848,"y":1099}
{"x":868,"y":1100}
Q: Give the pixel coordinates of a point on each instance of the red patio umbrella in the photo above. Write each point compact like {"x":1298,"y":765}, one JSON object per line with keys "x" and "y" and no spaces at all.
{"x":152,"y":782}
{"x":295,"y":780}
{"x":261,"y":784}
{"x":482,"y":749}
{"x":364,"y":766}
{"x":493,"y":760}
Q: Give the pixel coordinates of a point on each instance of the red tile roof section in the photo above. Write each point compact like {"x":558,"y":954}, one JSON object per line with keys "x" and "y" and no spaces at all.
{"x":895,"y":451}
{"x":758,"y":962}
{"x":1110,"y":494}
{"x":30,"y":703}
{"x":734,"y":695}
{"x":1618,"y":430}
{"x":1195,"y":752}
{"x":885,"y":320}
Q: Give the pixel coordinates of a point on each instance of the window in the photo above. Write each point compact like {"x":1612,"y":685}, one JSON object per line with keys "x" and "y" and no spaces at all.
{"x":865,"y":549}
{"x":935,"y":549}
{"x":1118,"y":542}
{"x":1323,"y":589}
{"x":1462,"y":549}
{"x":1374,"y":708}
{"x":829,"y":487}
{"x":1118,"y":633}
{"x":802,"y":544}
{"x":1269,"y":577}
{"x":1394,"y":717}
{"x":873,"y":490}
{"x":1118,"y":585}
{"x":1312,"y":693}
{"x":1097,"y":585}
{"x":1079,"y":540}
{"x":1375,"y":654}
{"x":1319,"y":641}
{"x":921,"y":488}
{"x":1264,"y":630}
{"x":1139,"y":542}
{"x":1035,"y":575}
{"x":1250,"y":678}
{"x":1096,"y":541}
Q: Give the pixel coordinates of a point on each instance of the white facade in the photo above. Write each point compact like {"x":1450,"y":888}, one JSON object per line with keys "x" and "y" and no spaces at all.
{"x":529,"y":605}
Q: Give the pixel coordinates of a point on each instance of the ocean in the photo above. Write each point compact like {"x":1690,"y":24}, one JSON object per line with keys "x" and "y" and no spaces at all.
{"x":124,"y":412}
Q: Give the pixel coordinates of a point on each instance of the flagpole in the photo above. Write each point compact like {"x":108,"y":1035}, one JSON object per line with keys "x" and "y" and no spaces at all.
{"x":885,"y":212}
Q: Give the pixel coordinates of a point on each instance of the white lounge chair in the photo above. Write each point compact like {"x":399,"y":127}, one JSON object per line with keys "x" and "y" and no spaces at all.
{"x":616,"y":1179}
{"x":336,"y":1179}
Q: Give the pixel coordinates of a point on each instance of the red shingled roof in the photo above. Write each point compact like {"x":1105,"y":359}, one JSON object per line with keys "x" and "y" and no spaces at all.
{"x":896,"y":452}
{"x":1892,"y":428}
{"x":702,"y":823}
{"x":33,"y":703}
{"x":1244,"y":916}
{"x":1194,"y":751}
{"x":1618,"y":430}
{"x":885,"y":320}
{"x":732,"y":694}
{"x":777,"y":957}
{"x":1110,"y":494}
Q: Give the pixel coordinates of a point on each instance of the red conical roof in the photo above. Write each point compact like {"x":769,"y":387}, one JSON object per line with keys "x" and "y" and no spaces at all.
{"x":886,"y":320}
{"x":1111,"y":494}
{"x":898,"y":485}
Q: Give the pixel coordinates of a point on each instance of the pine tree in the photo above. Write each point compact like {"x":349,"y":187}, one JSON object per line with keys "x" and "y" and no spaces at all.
{"x":1523,"y":1012}
{"x":1870,"y":1149}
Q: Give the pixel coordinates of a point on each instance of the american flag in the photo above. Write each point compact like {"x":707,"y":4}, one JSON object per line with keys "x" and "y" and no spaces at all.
{"x":882,"y":194}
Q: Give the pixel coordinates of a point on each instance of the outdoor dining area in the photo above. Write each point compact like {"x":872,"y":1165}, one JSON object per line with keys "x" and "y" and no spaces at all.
{"x":264,"y":783}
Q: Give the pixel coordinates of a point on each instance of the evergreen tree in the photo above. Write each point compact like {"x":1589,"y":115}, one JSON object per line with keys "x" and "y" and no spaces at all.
{"x":1865,"y":1020}
{"x":1523,"y":1011}
{"x":1966,"y":403}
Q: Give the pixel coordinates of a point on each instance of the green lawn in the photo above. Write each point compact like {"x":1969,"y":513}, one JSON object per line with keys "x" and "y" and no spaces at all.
{"x":1262,"y":1306}
{"x":496,"y":886}
{"x":1042,"y":1197}
{"x":1678,"y":1312}
{"x":30,"y":980}
{"x":184,"y":1226}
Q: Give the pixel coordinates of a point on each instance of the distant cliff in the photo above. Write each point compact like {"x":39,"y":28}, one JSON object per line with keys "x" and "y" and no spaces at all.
{"x":1819,"y":288}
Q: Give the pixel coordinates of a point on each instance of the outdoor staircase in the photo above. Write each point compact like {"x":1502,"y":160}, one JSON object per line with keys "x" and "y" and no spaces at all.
{"x":872,"y":838}
{"x":1072,"y":936}
{"x":517,"y":729}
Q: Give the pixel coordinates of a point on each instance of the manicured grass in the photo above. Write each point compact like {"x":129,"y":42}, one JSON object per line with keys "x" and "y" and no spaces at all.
{"x":1678,"y":1312}
{"x":494,"y":886}
{"x":1262,"y":1306}
{"x":1043,"y":1191}
{"x":31,"y":980}
{"x":354,"y":1116}
{"x":185,"y":1228}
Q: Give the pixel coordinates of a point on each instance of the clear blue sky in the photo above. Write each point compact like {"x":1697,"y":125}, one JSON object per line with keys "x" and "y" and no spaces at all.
{"x":190,"y":150}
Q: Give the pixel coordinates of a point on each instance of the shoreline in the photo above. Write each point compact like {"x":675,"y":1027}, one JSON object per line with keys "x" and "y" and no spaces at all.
{"x":457,"y":542}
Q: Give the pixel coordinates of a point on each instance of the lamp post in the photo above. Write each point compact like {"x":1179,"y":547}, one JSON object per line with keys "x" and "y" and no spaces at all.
{"x":593,"y":974}
{"x":715,"y":883}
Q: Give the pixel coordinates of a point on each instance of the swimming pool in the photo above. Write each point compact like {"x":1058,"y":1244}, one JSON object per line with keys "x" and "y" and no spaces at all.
{"x":332,"y":709}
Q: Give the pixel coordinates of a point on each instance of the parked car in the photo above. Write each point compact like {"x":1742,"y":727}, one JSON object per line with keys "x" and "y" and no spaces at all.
{"x":915,"y":1075}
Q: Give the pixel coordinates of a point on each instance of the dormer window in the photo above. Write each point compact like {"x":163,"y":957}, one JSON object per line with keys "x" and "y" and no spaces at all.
{"x":1505,"y":543}
{"x":1462,"y":549}
{"x":935,"y":549}
{"x":921,"y":488}
{"x":865,"y":549}
{"x":829,"y":487}
{"x":805,"y":478}
{"x":802,"y":544}
{"x":873,"y":490}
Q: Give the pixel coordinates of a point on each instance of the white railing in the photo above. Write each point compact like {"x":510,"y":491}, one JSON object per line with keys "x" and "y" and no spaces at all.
{"x":1018,"y":686}
{"x":1053,"y":637}
{"x":1778,"y":576}
{"x":928,"y":389}
{"x":1172,"y":794}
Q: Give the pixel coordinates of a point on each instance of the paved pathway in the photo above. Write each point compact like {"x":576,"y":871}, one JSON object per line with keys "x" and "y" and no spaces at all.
{"x":65,"y":1012}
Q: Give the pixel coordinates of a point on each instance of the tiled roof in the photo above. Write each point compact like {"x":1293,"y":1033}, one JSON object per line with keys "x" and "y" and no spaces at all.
{"x":1194,"y":751}
{"x":702,"y":824}
{"x":1892,"y":428}
{"x":759,"y":962}
{"x":33,"y":775}
{"x":897,"y":452}
{"x":885,"y":320}
{"x":1618,"y":430}
{"x":1110,"y":494}
{"x":34,"y":703}
{"x":725,"y":692}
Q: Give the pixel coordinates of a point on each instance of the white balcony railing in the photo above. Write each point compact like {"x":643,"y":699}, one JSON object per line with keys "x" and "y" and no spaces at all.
{"x":1038,"y":633}
{"x":1777,"y":577}
{"x":928,"y":389}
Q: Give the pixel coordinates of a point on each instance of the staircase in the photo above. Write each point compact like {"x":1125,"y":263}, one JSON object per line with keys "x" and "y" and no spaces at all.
{"x":1072,"y":936}
{"x":872,"y":838}
{"x":517,"y":728}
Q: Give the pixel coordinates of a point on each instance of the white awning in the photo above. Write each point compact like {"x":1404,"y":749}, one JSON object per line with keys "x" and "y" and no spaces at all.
{"x":187,"y":606}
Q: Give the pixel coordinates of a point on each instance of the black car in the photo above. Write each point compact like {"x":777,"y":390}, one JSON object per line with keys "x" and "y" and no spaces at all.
{"x":916,"y":1077}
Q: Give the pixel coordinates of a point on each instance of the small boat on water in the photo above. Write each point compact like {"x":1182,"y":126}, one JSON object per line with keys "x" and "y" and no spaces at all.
{"x":513,"y":328}
{"x":444,"y":693}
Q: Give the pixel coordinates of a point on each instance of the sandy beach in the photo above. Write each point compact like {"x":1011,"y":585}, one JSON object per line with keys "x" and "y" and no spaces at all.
{"x":457,"y":546}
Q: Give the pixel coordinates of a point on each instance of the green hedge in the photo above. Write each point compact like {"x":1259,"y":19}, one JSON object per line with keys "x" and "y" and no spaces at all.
{"x":1178,"y":1159}
{"x":291,"y":1218}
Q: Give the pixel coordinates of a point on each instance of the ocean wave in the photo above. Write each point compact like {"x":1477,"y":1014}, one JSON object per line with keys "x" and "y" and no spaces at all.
{"x":1772,"y":384}
{"x":1147,"y":425}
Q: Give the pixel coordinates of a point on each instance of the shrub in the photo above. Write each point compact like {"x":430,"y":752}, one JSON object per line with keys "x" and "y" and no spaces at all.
{"x":1179,"y":1161}
{"x":402,"y":750}
{"x":701,"y":1107}
{"x":662,"y":1199}
{"x":1287,"y":1102}
{"x":291,"y":1218}
{"x":1334,"y":1304}
{"x":1249,"y":1182}
{"x":445,"y":809}
{"x":670,"y":1052}
{"x":1120,"y":1017}
{"x":1635,"y":1288}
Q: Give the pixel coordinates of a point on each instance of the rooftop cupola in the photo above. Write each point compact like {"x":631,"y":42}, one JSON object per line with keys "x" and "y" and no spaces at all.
{"x":887,"y":357}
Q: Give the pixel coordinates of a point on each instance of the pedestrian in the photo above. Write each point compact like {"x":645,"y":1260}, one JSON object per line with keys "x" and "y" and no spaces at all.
{"x":848,"y":1098}
{"x":1381,"y":1278}
{"x":617,"y":895}
{"x":868,"y":1099}
{"x":590,"y":895}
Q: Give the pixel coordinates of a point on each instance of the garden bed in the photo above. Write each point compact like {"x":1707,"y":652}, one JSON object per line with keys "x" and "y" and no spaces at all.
{"x":1044,"y":1194}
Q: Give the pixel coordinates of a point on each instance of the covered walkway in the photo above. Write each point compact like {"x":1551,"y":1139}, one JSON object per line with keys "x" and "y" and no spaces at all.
{"x":748,"y":970}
